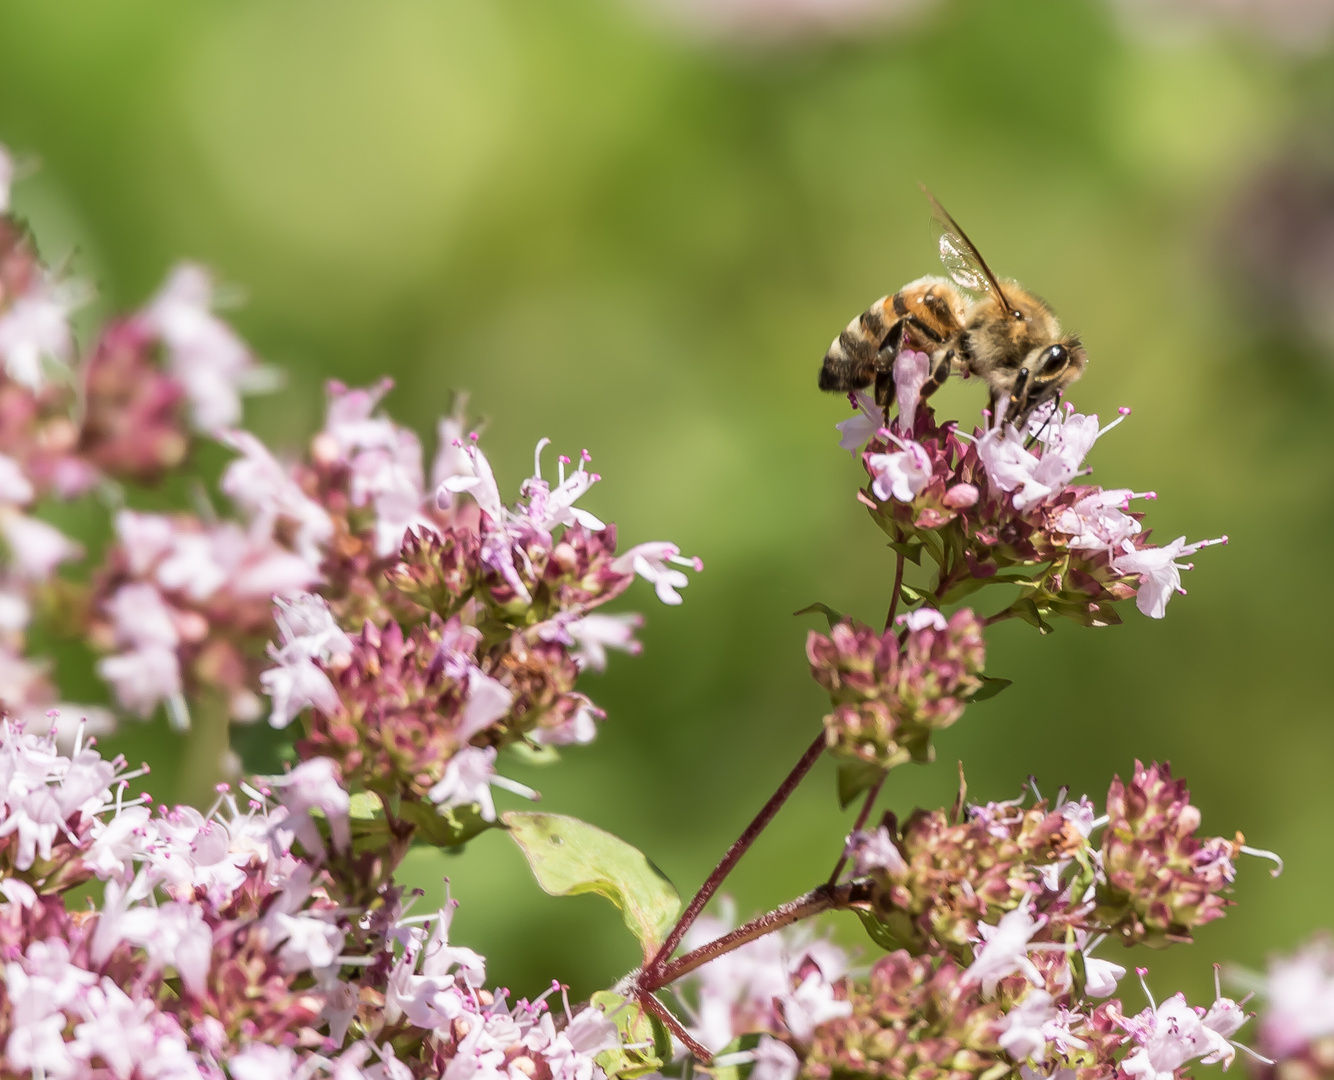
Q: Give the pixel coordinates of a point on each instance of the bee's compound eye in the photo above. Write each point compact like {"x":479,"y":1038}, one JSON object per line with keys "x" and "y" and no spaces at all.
{"x":1054,"y":359}
{"x":1017,"y":314}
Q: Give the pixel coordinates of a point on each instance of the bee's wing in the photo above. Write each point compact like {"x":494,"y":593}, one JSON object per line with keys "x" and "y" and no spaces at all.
{"x":963,"y":269}
{"x":962,"y":260}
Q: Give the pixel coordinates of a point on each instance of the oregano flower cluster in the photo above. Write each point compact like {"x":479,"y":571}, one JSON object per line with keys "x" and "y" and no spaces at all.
{"x":409,"y":629}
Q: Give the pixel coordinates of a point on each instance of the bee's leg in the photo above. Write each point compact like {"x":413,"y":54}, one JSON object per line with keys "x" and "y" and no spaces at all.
{"x":857,"y":354}
{"x":915,"y":334}
{"x":910,"y":333}
{"x":884,"y":388}
{"x":1010,"y":406}
{"x":1017,"y":410}
{"x":1056,"y":404}
{"x":943,"y":366}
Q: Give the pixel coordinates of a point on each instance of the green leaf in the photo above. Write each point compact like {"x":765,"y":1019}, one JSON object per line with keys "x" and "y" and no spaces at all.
{"x":962,"y":588}
{"x":911,"y":552}
{"x":1027,"y":610}
{"x":1086,"y":612}
{"x":365,"y":806}
{"x":854,"y":777}
{"x":533,"y":754}
{"x":824,"y":609}
{"x":569,"y":857}
{"x":934,"y":544}
{"x":445,"y":828}
{"x":370,"y":829}
{"x":990,"y":688}
{"x":920,"y":748}
{"x":913,"y":596}
{"x":883,"y":934}
{"x":1078,"y":972}
{"x":636,"y":1028}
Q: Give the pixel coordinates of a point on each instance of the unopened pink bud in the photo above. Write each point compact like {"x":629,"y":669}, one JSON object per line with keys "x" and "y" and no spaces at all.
{"x":961,"y":496}
{"x":324,"y":449}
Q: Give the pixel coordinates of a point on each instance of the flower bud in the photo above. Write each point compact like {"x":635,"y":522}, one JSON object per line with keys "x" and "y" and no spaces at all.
{"x":134,"y":424}
{"x":1162,"y":881}
{"x":912,"y":1017}
{"x":953,"y":875}
{"x":961,"y":496}
{"x":436,"y":570}
{"x":889,"y":696}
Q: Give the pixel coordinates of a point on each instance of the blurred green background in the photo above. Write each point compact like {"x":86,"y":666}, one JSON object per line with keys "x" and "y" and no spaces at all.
{"x":640,"y":240}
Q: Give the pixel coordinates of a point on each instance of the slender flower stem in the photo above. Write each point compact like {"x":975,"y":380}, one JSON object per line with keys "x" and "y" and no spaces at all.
{"x":947,"y":577}
{"x":894,"y":596}
{"x":657,"y":1008}
{"x":202,"y":767}
{"x":739,"y":847}
{"x":862,"y":815}
{"x":823,"y":898}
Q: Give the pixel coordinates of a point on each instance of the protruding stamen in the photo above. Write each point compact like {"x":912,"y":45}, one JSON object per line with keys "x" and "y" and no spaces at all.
{"x":1141,"y":972}
{"x":1254,"y":1053}
{"x":513,"y":785}
{"x":1261,"y":853}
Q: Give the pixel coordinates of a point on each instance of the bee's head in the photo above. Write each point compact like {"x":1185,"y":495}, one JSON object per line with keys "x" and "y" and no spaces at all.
{"x":1046,"y":372}
{"x":1016,"y":324}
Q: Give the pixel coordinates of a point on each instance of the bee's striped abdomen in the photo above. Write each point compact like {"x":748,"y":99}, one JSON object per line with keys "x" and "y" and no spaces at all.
{"x":924,"y":314}
{"x":850,"y":363}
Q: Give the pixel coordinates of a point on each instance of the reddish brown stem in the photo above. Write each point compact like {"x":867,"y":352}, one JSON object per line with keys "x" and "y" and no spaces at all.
{"x":894,"y":596}
{"x":658,"y":1009}
{"x":862,"y":815}
{"x":817,"y":900}
{"x":739,"y":847}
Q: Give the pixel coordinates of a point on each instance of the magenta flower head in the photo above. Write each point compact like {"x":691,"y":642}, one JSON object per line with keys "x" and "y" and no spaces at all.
{"x":1162,"y":880}
{"x":888,"y":694}
{"x":914,"y":1016}
{"x":134,"y":424}
{"x":935,"y":880}
{"x":405,"y":704}
{"x":1006,"y":502}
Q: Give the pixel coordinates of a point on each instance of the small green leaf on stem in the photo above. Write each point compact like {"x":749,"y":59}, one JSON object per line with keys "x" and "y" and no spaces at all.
{"x":883,"y":934}
{"x":448,"y":828}
{"x":1086,"y":612}
{"x":911,"y":552}
{"x":370,"y":828}
{"x":934,"y":545}
{"x":913,"y":596}
{"x":569,"y":857}
{"x":1026,"y":609}
{"x":960,"y":589}
{"x":637,"y":1028}
{"x":824,"y":609}
{"x":855,"y":777}
{"x":990,"y":688}
{"x":533,"y":754}
{"x":365,"y":806}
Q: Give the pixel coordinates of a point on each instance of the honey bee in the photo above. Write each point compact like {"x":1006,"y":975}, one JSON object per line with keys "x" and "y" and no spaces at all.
{"x":1004,"y":335}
